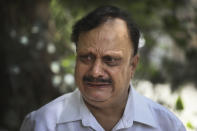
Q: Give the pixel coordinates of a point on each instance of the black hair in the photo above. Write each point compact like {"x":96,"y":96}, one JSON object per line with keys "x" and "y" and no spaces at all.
{"x":99,"y":16}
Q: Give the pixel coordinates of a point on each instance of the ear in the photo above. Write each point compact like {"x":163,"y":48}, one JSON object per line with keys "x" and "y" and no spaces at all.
{"x":134,"y":63}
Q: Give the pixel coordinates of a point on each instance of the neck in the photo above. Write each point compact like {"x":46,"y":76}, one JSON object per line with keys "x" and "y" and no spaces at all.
{"x":110,"y":107}
{"x":107,"y":114}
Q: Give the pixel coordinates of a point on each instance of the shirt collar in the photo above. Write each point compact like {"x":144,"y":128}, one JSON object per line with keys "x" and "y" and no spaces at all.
{"x":142,"y":112}
{"x":70,"y":108}
{"x":74,"y":109}
{"x":136,"y":110}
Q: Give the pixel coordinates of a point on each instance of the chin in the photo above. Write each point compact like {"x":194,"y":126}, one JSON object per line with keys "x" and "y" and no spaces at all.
{"x":97,"y":97}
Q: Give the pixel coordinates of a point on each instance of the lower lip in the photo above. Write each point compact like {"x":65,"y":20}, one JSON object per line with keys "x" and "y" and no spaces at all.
{"x":98,"y":86}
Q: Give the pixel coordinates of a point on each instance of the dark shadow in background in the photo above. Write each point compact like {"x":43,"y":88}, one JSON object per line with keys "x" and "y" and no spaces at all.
{"x":25,"y":74}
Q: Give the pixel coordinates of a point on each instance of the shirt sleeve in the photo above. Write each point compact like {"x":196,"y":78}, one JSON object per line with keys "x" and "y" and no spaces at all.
{"x":28,"y":123}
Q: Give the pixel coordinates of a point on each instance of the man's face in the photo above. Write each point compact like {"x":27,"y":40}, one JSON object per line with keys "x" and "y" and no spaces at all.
{"x":105,"y":62}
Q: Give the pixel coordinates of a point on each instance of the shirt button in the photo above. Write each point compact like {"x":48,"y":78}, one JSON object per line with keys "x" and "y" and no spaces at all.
{"x":85,"y":122}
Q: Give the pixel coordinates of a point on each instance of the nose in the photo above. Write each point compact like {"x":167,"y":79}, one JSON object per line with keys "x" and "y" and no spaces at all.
{"x":97,"y":69}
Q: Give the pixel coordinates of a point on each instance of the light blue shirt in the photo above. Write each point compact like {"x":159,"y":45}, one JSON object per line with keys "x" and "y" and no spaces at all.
{"x":69,"y":113}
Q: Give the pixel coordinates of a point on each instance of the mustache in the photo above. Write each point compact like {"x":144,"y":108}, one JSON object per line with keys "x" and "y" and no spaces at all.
{"x":99,"y":79}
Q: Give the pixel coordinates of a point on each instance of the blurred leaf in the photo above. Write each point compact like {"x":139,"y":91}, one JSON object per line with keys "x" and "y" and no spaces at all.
{"x":179,"y":104}
{"x":65,"y":63}
{"x":189,"y":125}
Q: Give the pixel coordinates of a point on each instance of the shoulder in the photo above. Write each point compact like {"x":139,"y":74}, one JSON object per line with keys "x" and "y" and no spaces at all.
{"x":165,"y":119}
{"x":47,"y":115}
{"x":151,"y":113}
{"x":53,"y":108}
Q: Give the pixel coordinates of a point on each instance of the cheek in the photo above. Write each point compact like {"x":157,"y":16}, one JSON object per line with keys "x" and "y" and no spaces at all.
{"x":123,"y":75}
{"x":116,"y":74}
{"x":80,"y":71}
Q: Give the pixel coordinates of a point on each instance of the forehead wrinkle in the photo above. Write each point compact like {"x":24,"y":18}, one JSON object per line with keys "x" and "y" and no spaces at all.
{"x":98,"y":51}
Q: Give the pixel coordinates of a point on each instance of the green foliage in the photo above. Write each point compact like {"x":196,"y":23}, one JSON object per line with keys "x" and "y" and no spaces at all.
{"x":179,"y":104}
{"x":64,"y":17}
{"x":68,"y":64}
{"x":189,"y":125}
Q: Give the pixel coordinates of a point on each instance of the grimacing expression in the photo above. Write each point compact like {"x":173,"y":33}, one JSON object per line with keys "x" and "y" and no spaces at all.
{"x":105,"y":62}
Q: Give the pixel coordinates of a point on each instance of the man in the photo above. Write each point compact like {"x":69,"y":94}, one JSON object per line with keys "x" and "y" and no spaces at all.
{"x":106,"y":45}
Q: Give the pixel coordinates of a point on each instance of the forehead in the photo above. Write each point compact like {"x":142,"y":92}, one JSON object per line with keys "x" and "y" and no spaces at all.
{"x":110,"y":36}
